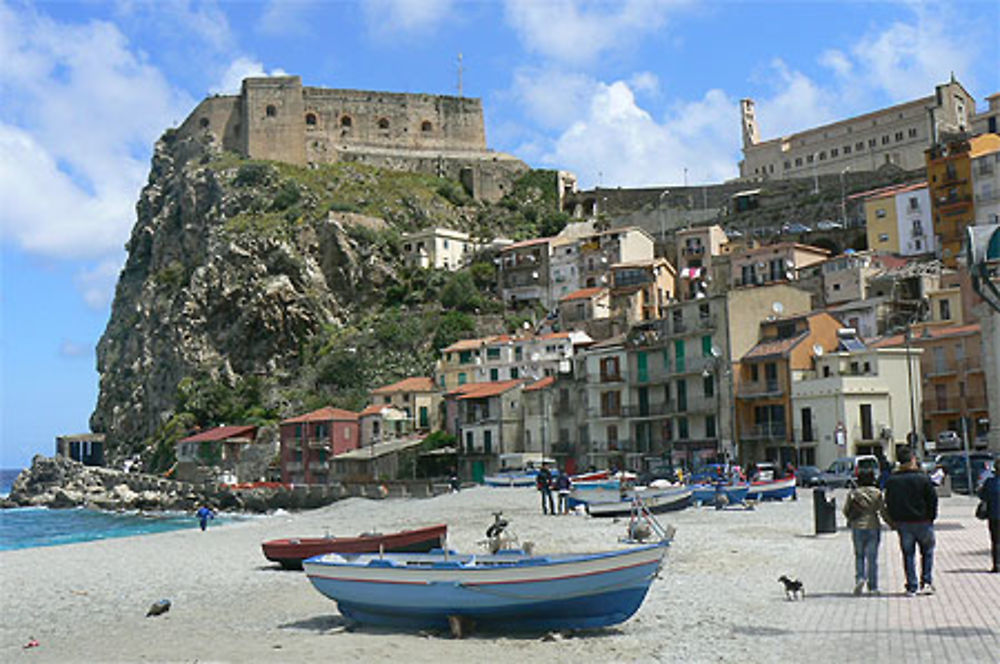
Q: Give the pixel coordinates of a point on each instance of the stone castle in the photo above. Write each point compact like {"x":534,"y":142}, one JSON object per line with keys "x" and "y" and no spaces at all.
{"x":278,"y":118}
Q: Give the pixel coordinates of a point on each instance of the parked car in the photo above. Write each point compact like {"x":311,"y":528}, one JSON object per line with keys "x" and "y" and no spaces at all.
{"x":844,"y":471}
{"x":808,"y":476}
{"x":948,"y":440}
{"x":954,"y":464}
{"x":795,"y":228}
{"x":829,"y":225}
{"x":766,"y":471}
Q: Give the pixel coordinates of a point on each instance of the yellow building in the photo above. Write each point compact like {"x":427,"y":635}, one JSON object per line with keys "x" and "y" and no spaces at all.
{"x":898,"y":220}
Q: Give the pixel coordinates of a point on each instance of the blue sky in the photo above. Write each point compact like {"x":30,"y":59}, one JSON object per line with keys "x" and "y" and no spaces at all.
{"x":633,"y":92}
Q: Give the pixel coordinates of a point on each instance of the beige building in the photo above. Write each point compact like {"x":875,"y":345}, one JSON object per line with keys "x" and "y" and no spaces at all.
{"x":437,"y":248}
{"x":845,"y":277}
{"x":988,"y":121}
{"x":525,"y":273}
{"x":695,"y":249}
{"x":641,"y":290}
{"x":417,"y":397}
{"x":899,"y":220}
{"x":564,"y":266}
{"x":856,"y":402}
{"x":584,"y":305}
{"x":986,"y":181}
{"x":895,"y":135}
{"x":599,"y":251}
{"x":773,"y":263}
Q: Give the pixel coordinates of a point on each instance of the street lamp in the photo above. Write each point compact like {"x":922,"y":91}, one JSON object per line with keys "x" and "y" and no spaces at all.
{"x":911,"y":437}
{"x":843,"y":197}
{"x":659,"y":203}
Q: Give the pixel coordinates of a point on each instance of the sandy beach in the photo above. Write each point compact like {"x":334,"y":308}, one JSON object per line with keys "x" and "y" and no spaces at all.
{"x":717,"y":598}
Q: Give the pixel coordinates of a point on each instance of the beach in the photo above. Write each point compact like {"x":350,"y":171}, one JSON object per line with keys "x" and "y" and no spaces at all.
{"x":717,"y":598}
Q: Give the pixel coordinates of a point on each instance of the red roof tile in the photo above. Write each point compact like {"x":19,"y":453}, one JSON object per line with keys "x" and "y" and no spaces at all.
{"x":323,"y":415}
{"x":935,"y":332}
{"x":583,"y":294}
{"x":774,"y":347}
{"x":373,"y":409}
{"x":481,"y":390}
{"x":222,"y":433}
{"x":540,"y":384}
{"x":414,"y":384}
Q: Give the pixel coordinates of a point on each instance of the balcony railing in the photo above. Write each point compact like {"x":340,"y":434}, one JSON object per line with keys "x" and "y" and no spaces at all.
{"x":956,"y":404}
{"x":294,"y":466}
{"x":697,"y":250}
{"x":649,"y":410}
{"x":319,"y":466}
{"x":760,"y":389}
{"x":606,"y":412}
{"x":767,"y":431}
{"x":319,"y":443}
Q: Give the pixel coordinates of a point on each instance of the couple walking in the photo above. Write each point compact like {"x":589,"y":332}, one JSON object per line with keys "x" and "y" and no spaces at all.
{"x":909,"y":505}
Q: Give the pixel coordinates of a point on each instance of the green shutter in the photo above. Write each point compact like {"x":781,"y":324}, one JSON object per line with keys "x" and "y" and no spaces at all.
{"x":679,"y":354}
{"x":706,"y":346}
{"x":643,"y":366}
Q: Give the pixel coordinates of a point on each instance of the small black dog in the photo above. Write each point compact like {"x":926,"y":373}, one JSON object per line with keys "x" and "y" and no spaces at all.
{"x":793,"y":589}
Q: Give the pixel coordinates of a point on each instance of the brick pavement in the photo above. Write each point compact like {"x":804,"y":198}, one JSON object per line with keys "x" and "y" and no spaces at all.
{"x":961,"y":622}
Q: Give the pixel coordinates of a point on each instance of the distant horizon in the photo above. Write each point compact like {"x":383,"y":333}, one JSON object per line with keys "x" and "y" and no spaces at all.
{"x":637,"y":93}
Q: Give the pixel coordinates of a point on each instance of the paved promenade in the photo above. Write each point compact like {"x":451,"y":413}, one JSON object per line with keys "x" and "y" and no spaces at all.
{"x":960,"y":623}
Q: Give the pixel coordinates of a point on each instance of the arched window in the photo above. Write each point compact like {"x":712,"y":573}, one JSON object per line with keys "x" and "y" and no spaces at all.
{"x":345,"y":122}
{"x":271,"y":110}
{"x":203,"y":123}
{"x":311,"y":119}
{"x":426,"y":125}
{"x":383,"y":123}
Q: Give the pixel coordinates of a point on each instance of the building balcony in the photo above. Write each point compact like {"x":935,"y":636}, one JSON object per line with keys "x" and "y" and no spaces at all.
{"x":293,"y":443}
{"x":766,"y":431}
{"x":606,"y":413}
{"x":693,"y":251}
{"x":985,"y":199}
{"x":679,"y":327}
{"x":951,"y":405}
{"x":611,"y":377}
{"x":707,"y":322}
{"x":649,"y":410}
{"x":294,"y":466}
{"x":319,"y":443}
{"x":319,"y":466}
{"x":760,"y":390}
{"x":942,"y":370}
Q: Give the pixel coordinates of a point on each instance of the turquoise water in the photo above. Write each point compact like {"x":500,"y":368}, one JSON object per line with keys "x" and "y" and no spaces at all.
{"x":28,"y":527}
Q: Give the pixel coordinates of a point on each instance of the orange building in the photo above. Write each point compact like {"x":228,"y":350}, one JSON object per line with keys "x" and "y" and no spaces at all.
{"x":764,"y":384}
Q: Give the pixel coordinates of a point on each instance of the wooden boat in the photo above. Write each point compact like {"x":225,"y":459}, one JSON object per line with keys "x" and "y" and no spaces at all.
{"x":509,"y":590}
{"x":656,"y":501}
{"x":772,"y":490}
{"x":290,"y":552}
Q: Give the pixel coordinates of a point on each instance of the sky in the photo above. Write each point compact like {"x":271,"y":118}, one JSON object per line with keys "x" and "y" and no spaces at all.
{"x":623,"y":93}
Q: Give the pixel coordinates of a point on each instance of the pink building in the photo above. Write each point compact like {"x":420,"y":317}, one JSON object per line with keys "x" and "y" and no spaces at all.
{"x":309,"y":441}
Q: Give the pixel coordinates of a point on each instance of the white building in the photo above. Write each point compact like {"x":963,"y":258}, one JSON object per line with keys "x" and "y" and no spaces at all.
{"x":437,"y":248}
{"x":986,"y":183}
{"x":857,"y":401}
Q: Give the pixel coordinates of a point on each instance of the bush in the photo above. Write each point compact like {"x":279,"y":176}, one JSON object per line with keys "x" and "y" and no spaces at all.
{"x":252,"y":175}
{"x":460,"y":293}
{"x":453,"y":192}
{"x":453,"y":326}
{"x":287,"y":196}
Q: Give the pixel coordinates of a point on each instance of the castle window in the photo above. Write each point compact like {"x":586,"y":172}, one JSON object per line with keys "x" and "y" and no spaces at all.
{"x":383,"y":123}
{"x":859,"y":146}
{"x":203,"y":123}
{"x":271,"y":110}
{"x":426,"y":125}
{"x":345,"y":121}
{"x":311,"y":119}
{"x":847,"y":149}
{"x":912,"y":132}
{"x":833,"y":152}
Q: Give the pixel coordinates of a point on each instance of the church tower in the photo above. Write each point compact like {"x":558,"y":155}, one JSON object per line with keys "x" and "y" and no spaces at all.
{"x":751,"y":136}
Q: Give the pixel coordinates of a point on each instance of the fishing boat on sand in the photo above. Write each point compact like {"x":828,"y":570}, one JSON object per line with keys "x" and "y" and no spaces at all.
{"x":290,"y":552}
{"x":518,"y":469}
{"x":772,"y":490}
{"x":507,"y":589}
{"x":716,"y":493}
{"x":654,"y":500}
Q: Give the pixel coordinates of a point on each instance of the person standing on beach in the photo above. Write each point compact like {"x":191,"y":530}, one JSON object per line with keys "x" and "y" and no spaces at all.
{"x":544,"y":483}
{"x":862,"y":509}
{"x":990,"y":494}
{"x":563,"y":485}
{"x":912,"y":504}
{"x":204,"y":514}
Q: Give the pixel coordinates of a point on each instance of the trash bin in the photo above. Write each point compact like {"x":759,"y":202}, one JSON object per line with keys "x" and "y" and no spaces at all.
{"x":824,"y":512}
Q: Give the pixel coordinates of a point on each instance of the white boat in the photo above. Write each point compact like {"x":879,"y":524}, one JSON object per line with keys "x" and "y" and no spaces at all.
{"x":654,"y":500}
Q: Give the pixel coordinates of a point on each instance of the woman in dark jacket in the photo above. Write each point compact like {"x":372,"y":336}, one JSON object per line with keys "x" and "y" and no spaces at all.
{"x":990,"y":494}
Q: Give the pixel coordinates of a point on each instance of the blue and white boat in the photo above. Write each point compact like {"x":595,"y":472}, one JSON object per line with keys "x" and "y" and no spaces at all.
{"x":510,"y":590}
{"x":772,"y":490}
{"x":653,"y":500}
{"x":708,"y":494}
{"x":518,"y":469}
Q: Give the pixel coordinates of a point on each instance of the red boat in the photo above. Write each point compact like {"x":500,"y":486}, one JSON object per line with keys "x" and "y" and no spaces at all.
{"x":290,"y":552}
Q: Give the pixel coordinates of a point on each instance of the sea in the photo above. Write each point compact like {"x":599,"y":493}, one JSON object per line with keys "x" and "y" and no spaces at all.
{"x":28,"y":527}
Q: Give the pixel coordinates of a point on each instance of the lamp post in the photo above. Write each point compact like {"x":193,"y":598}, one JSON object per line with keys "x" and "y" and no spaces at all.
{"x":843,"y":197}
{"x":911,"y":436}
{"x":661,"y":214}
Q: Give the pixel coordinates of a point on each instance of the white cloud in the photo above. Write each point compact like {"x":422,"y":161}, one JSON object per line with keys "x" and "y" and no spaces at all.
{"x":81,"y":111}
{"x":97,"y":282}
{"x":408,"y":17}
{"x":74,"y":349}
{"x":239,"y":69}
{"x":551,"y":97}
{"x":578,"y":31}
{"x":281,"y":18}
{"x":202,"y":23}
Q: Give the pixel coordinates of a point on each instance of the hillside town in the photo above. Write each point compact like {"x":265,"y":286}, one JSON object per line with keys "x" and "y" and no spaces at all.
{"x":676,"y":327}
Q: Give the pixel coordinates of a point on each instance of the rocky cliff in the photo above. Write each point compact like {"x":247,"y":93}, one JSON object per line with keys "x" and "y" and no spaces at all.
{"x":276,"y":288}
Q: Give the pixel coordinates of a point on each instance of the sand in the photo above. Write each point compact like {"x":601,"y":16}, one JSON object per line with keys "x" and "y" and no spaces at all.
{"x":716,"y":598}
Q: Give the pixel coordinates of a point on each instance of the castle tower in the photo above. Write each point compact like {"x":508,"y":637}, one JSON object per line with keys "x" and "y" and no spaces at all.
{"x":273,"y":116}
{"x":751,"y":136}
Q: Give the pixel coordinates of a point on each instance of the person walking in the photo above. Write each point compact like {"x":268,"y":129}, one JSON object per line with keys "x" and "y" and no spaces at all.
{"x":204,"y":513}
{"x":912,"y":505}
{"x":544,"y":483}
{"x":989,"y":493}
{"x":563,"y":486}
{"x":862,"y":508}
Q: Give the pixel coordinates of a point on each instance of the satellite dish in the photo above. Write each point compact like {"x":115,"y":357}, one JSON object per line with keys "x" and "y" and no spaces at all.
{"x":818,"y":350}
{"x":777,"y":307}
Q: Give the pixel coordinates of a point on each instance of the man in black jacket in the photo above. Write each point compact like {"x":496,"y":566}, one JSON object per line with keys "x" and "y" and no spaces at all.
{"x":912,"y":504}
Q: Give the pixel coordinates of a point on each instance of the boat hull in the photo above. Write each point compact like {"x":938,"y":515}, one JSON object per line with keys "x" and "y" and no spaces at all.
{"x":514,"y":593}
{"x":706,"y":493}
{"x":511,"y":480}
{"x":656,"y":502}
{"x":290,"y":552}
{"x":774,"y":490}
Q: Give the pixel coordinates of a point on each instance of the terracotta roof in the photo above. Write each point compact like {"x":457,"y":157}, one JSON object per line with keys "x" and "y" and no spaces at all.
{"x":774,"y":347}
{"x":552,"y":335}
{"x":775,"y":248}
{"x":480,"y":390}
{"x":323,"y":415}
{"x":414,"y":384}
{"x":583,"y":294}
{"x":918,"y":336}
{"x":885,"y":192}
{"x":466,"y":344}
{"x":526,"y":243}
{"x":373,"y":409}
{"x":222,"y":433}
{"x":540,"y":384}
{"x":983,"y":144}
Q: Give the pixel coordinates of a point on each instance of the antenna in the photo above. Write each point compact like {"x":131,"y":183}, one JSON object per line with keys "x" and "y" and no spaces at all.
{"x":460,"y":71}
{"x":777,"y":307}
{"x":818,"y":350}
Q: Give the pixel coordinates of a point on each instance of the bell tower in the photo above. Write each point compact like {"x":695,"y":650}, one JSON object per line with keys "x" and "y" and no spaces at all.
{"x":751,"y":136}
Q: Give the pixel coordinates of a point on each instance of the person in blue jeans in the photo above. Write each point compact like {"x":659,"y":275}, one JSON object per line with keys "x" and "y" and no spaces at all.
{"x":862,"y":508}
{"x":912,"y":504}
{"x":989,"y":493}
